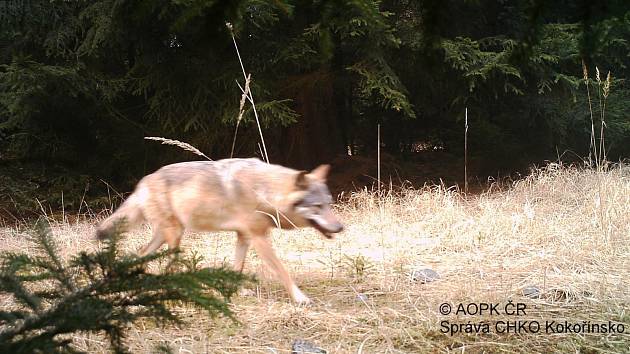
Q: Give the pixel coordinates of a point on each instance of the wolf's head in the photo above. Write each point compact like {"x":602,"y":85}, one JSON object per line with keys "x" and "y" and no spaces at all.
{"x":312,"y":203}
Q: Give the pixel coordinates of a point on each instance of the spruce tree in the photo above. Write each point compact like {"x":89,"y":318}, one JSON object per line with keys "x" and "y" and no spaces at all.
{"x":100,"y":292}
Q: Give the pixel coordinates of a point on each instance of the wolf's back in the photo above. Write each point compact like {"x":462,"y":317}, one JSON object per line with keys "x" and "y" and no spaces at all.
{"x":205,"y":195}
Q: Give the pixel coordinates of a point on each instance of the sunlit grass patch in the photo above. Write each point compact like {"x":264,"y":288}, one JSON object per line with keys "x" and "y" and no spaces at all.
{"x":563,"y":231}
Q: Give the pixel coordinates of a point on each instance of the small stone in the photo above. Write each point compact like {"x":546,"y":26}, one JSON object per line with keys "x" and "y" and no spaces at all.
{"x":425,"y":275}
{"x":301,"y":346}
{"x":531,"y":292}
{"x":560,"y":295}
{"x":362,"y":297}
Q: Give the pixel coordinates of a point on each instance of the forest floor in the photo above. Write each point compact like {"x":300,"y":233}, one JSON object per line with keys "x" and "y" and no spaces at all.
{"x":555,"y":245}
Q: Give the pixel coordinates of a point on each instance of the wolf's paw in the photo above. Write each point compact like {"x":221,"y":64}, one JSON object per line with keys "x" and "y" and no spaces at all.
{"x":298,"y":297}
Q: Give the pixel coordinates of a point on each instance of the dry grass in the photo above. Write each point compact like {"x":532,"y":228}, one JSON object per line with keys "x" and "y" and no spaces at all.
{"x":563,"y":230}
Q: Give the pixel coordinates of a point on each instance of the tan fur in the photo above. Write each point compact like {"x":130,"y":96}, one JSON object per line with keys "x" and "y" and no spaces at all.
{"x":247,"y":196}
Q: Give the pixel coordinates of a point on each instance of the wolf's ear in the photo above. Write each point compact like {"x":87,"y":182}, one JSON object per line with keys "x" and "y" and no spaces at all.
{"x":301,"y":181}
{"x":321,"y":172}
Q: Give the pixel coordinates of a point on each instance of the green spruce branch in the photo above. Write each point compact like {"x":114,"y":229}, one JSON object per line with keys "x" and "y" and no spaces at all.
{"x":101,"y":292}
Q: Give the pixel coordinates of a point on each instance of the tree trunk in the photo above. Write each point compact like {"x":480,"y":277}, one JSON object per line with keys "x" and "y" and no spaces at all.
{"x":315,"y":137}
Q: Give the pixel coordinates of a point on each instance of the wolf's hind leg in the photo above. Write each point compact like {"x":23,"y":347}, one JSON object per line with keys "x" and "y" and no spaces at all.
{"x":169,"y":231}
{"x":263,"y":247}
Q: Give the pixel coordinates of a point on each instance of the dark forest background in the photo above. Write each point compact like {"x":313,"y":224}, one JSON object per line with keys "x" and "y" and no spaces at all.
{"x":82,"y":82}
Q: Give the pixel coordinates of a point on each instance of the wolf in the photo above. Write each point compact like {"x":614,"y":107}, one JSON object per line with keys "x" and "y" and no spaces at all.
{"x":247,"y":196}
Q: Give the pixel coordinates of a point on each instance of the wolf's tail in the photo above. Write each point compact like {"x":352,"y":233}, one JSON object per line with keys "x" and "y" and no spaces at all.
{"x":129,"y":213}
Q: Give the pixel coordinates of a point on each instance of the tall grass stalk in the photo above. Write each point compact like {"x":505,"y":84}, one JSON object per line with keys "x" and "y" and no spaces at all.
{"x":378,"y":156}
{"x":605,"y":90}
{"x":241,"y":110}
{"x":466,"y":151}
{"x":597,"y":150}
{"x":592,"y":156}
{"x":178,"y":143}
{"x":248,"y":93}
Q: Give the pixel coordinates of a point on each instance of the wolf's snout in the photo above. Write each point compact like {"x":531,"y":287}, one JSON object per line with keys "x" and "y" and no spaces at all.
{"x":337,"y":228}
{"x":333,"y":228}
{"x":326,"y":227}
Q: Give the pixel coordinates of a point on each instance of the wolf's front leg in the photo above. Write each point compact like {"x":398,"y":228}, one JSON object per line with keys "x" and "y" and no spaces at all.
{"x":263,"y":247}
{"x":242,"y":246}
